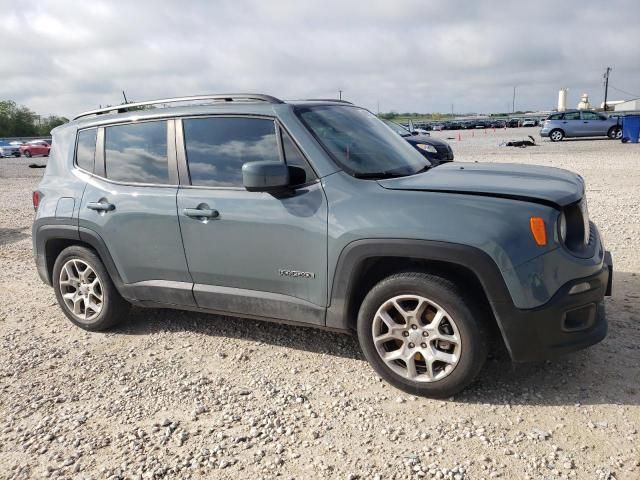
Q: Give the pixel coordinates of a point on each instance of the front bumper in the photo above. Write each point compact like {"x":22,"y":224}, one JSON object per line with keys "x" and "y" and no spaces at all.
{"x":544,"y":132}
{"x":566,"y":323}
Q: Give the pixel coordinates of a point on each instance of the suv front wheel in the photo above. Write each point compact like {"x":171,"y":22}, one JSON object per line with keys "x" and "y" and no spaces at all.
{"x":85,"y":291}
{"x":422,"y":335}
{"x":556,"y":135}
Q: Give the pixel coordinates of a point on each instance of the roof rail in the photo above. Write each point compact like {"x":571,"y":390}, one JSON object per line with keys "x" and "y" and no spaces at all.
{"x":230,"y":97}
{"x":326,"y":100}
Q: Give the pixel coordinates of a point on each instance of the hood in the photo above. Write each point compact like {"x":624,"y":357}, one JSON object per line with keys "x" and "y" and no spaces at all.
{"x":546,"y":185}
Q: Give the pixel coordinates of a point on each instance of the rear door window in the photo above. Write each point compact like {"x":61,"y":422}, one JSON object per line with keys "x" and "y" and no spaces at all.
{"x":137,"y":153}
{"x":217,"y":147}
{"x":572,"y":116}
{"x":591,"y":116}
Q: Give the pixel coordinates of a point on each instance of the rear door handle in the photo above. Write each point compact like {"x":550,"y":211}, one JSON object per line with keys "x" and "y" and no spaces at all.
{"x":101,"y":206}
{"x":201,"y":213}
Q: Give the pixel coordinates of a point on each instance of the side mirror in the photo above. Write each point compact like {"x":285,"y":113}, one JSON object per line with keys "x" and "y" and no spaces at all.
{"x":265,"y":176}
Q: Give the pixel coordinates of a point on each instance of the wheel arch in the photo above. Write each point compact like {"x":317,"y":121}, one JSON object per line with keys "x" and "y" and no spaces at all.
{"x":51,"y":240}
{"x":363,"y":263}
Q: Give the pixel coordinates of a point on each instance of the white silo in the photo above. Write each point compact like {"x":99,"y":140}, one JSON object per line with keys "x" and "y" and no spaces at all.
{"x":562,"y":99}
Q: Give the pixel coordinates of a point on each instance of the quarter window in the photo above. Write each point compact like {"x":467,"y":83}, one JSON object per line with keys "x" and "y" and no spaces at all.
{"x":218,"y":147}
{"x":294,"y":158}
{"x":86,"y":149}
{"x":137,"y":153}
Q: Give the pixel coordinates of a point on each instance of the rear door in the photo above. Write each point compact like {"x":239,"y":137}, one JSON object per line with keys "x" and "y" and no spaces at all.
{"x":595,"y":124}
{"x":251,"y":253}
{"x":130,"y":202}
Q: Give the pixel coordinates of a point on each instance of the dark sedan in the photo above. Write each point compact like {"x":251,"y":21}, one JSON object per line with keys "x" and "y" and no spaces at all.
{"x":435,"y":150}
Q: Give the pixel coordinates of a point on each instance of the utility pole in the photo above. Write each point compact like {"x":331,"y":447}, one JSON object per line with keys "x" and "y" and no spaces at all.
{"x":452,"y":109}
{"x":340,"y":94}
{"x":513,"y":102}
{"x":606,"y":86}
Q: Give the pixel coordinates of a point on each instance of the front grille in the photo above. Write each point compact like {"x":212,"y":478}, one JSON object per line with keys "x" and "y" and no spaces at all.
{"x":444,"y":152}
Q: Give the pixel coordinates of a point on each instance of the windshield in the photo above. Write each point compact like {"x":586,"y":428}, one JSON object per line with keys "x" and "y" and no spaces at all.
{"x":360,"y":143}
{"x":396,"y":127}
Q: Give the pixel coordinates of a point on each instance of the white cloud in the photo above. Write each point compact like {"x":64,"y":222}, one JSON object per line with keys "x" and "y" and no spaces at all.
{"x":64,"y":57}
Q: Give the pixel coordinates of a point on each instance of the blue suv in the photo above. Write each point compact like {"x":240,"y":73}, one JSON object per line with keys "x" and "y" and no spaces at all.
{"x":316,"y":213}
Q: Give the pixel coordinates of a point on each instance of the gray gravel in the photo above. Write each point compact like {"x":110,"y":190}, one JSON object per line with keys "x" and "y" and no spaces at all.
{"x":185,"y":395}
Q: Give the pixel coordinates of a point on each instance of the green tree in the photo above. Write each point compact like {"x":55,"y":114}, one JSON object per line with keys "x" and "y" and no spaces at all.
{"x":19,"y":121}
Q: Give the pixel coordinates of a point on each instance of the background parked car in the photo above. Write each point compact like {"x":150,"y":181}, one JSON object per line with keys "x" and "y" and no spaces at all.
{"x":433,"y":149}
{"x":513,"y":123}
{"x":580,"y":123}
{"x":7,"y":149}
{"x":529,"y":122}
{"x":35,"y":148}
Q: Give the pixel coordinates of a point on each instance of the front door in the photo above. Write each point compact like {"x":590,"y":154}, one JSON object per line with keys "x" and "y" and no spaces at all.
{"x":251,"y":253}
{"x":572,"y":125}
{"x":131,"y":203}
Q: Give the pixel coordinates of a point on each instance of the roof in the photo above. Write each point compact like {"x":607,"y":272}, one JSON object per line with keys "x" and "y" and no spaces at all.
{"x":244,"y":103}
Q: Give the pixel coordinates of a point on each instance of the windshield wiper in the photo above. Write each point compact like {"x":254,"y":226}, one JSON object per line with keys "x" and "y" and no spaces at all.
{"x":379,"y":175}
{"x":423,"y":169}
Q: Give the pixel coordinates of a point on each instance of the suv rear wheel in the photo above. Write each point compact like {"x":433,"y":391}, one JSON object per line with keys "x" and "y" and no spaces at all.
{"x":615,"y":133}
{"x":85,"y":291}
{"x":422,"y":335}
{"x":556,"y":135}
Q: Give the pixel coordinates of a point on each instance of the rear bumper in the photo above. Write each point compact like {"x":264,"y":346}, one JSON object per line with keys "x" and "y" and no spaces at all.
{"x":566,"y":323}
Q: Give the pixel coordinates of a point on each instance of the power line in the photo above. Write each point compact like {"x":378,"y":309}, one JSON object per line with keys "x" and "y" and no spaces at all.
{"x":622,"y":91}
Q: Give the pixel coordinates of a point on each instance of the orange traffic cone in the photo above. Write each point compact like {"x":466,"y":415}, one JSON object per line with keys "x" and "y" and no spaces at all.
{"x":485,"y":131}
{"x":473,"y":133}
{"x":459,"y":137}
{"x":494,"y":129}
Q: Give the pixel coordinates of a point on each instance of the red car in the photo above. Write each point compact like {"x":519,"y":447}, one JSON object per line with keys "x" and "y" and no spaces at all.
{"x":35,"y":147}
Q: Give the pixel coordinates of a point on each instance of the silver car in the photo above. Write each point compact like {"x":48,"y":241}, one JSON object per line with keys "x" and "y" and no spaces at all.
{"x":580,"y":123}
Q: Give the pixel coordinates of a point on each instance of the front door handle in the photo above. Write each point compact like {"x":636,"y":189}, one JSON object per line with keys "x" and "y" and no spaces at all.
{"x":201,"y":213}
{"x":101,"y":206}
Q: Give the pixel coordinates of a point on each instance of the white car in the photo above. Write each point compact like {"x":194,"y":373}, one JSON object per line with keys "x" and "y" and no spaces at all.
{"x":528,"y":122}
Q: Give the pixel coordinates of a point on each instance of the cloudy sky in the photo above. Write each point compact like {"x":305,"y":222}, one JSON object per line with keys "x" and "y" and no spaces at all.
{"x":63,"y":57}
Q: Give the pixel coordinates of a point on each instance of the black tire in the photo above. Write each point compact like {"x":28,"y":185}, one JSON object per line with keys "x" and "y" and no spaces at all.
{"x":556,"y":135}
{"x":114,"y":307}
{"x":472,"y":331}
{"x":615,"y":133}
{"x":27,"y":153}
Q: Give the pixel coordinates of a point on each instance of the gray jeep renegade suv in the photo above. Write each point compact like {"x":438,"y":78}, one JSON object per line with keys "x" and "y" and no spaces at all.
{"x":316,"y":213}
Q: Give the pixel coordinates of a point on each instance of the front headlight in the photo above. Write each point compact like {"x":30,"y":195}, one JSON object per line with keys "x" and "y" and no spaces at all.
{"x":562,"y":227}
{"x":427,"y":148}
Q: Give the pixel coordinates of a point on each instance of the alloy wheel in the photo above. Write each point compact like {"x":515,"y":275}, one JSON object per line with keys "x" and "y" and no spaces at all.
{"x":416,"y":338}
{"x":81,"y":289}
{"x":556,"y":135}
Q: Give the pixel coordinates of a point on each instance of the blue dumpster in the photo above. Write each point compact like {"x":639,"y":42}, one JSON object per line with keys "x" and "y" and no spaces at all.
{"x":630,"y":128}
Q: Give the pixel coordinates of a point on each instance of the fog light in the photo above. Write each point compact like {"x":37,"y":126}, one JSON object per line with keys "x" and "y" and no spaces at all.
{"x":579,"y":288}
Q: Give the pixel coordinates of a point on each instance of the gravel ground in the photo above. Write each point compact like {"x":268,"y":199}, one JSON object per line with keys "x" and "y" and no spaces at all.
{"x":185,"y":395}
